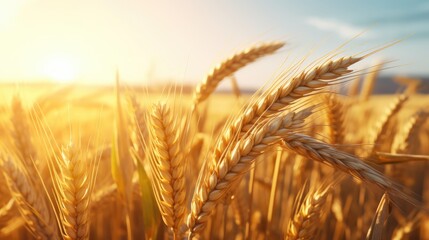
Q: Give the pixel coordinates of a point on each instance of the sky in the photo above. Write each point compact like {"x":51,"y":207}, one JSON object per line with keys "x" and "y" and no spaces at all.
{"x":85,"y":41}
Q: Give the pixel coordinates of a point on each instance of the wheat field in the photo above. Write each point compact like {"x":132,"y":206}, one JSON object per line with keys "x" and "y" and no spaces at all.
{"x":299,"y":159}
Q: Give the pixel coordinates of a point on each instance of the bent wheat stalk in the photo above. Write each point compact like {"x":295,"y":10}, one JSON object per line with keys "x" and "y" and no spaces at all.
{"x":322,"y":152}
{"x":225,"y":175}
{"x":231,"y":65}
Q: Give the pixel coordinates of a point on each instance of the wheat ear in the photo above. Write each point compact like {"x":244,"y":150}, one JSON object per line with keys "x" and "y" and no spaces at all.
{"x":335,"y":117}
{"x":319,"y":151}
{"x":31,"y":204}
{"x":278,"y":98}
{"x":308,"y":215}
{"x":73,"y":188}
{"x":22,"y":137}
{"x":168,"y":165}
{"x":218,"y":181}
{"x":411,"y":131}
{"x":382,"y":127}
{"x":369,"y":82}
{"x":231,"y":65}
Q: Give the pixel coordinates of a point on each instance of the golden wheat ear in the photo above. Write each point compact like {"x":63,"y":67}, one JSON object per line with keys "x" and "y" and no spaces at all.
{"x":231,"y":65}
{"x":335,"y":118}
{"x":322,"y":152}
{"x":32,"y":204}
{"x":282,"y":95}
{"x":168,"y":146}
{"x":22,"y":136}
{"x":309,"y":212}
{"x":407,"y":140}
{"x":74,"y":177}
{"x":379,"y":138}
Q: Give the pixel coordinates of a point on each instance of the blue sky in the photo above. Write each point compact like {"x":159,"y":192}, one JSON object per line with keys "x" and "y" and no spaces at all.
{"x":182,"y":40}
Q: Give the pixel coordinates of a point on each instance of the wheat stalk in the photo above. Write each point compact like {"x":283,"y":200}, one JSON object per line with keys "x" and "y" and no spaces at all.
{"x":6,"y":211}
{"x":231,"y":65}
{"x":139,"y":131}
{"x":380,"y":218}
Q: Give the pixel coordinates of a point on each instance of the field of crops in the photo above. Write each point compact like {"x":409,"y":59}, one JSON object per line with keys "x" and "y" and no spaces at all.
{"x":296,"y":160}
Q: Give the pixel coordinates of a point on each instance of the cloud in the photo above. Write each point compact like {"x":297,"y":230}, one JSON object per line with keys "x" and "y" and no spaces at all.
{"x":404,"y":19}
{"x":342,"y":29}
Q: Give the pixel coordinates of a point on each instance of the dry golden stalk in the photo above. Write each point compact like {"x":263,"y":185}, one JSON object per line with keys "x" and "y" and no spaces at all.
{"x":379,"y":133}
{"x":412,"y":85}
{"x":231,"y":65}
{"x":409,"y":224}
{"x":385,"y":158}
{"x":168,"y":146}
{"x":31,"y":203}
{"x":6,"y":210}
{"x":214,"y":184}
{"x":369,"y":82}
{"x":73,"y":187}
{"x":411,"y":132}
{"x":380,"y":218}
{"x":279,"y":98}
{"x":139,"y":131}
{"x":319,"y":151}
{"x":308,"y":214}
{"x":354,"y":87}
{"x":335,"y":117}
{"x":234,"y":86}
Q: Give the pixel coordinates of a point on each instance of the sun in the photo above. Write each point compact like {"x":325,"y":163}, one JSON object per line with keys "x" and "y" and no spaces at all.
{"x":60,"y":69}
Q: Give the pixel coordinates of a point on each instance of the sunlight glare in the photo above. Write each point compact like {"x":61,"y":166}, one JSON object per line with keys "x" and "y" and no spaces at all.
{"x":60,"y":69}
